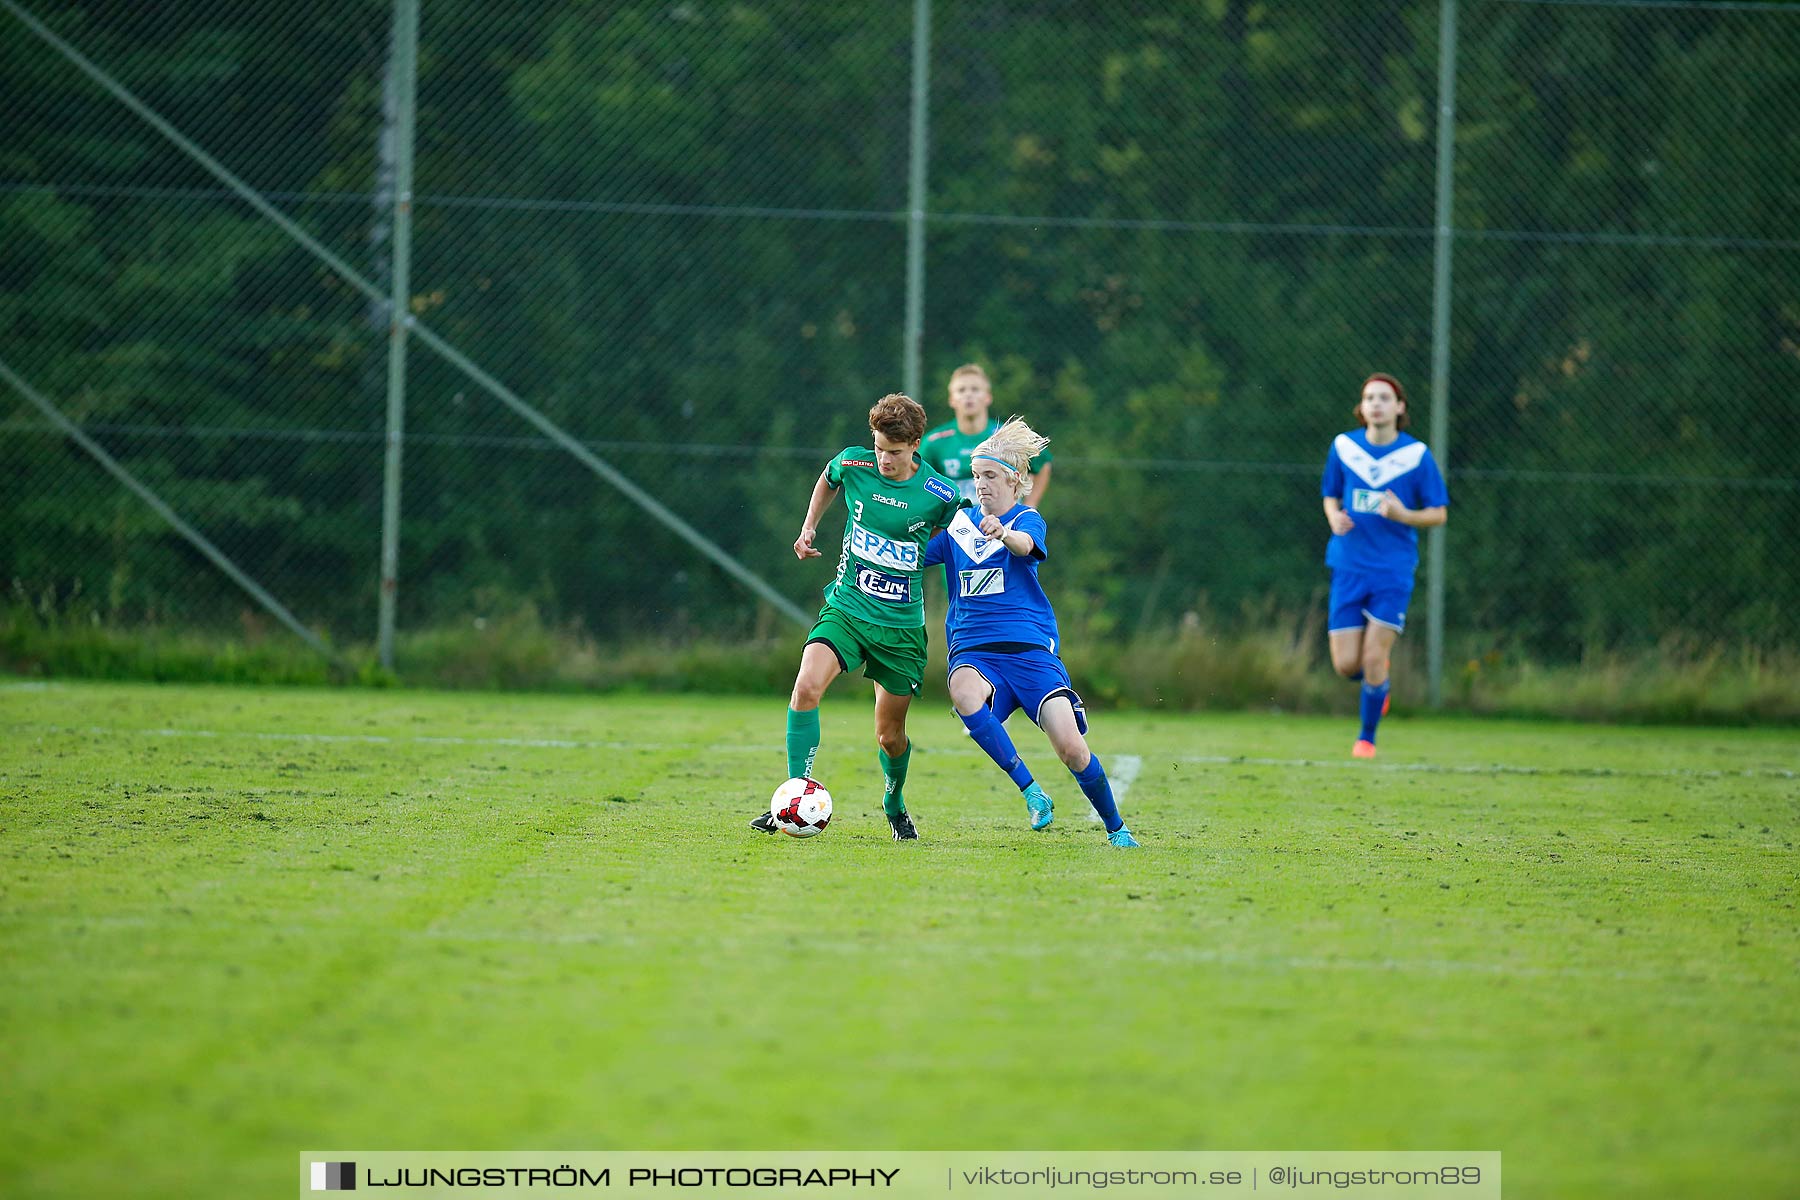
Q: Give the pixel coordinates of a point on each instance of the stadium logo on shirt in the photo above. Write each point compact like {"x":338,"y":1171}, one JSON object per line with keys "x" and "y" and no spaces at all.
{"x":941,"y":490}
{"x":988,"y":581}
{"x":871,"y":547}
{"x":891,"y":589}
{"x":878,"y":498}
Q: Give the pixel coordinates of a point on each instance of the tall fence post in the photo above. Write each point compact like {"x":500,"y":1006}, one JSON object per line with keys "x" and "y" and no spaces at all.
{"x":1440,"y":340}
{"x":406,"y":77}
{"x":915,"y":200}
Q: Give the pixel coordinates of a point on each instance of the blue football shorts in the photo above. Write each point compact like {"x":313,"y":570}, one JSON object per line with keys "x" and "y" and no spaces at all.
{"x":1359,"y":597}
{"x":1025,"y":679}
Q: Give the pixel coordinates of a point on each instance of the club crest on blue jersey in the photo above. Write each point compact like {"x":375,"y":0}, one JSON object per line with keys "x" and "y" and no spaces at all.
{"x":1378,"y":472}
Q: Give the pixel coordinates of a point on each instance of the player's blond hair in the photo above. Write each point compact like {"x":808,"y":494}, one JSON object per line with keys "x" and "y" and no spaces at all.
{"x":1015,"y":443}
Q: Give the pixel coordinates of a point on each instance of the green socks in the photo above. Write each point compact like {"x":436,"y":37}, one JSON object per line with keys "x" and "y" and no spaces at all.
{"x":803,"y":742}
{"x":803,"y":747}
{"x":893,"y":801}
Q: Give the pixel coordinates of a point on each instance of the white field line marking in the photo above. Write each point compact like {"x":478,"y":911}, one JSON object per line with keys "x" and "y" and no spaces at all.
{"x":1124,"y":773}
{"x":1209,"y":760}
{"x":376,"y":739}
{"x":1237,"y":760}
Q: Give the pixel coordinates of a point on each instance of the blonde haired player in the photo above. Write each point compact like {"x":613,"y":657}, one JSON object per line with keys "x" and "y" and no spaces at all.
{"x":1002,"y":630}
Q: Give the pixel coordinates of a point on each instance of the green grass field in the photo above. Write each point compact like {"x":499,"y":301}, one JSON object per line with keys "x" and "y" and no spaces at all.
{"x":240,"y":922}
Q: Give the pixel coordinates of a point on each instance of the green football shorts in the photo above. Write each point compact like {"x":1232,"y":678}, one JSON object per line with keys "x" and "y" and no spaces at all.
{"x":894,"y":658}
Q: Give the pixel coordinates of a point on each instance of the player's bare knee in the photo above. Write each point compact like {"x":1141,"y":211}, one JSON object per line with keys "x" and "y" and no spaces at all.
{"x":891,"y":741}
{"x":806,"y":695}
{"x":969,"y":691}
{"x":1347,"y":668}
{"x":1375,"y":670}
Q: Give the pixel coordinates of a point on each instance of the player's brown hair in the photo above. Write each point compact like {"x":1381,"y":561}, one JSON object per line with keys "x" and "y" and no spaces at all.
{"x":1399,"y":394}
{"x":899,"y":417}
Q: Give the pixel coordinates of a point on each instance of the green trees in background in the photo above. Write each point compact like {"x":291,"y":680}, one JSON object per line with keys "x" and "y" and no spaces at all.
{"x":1178,"y":235}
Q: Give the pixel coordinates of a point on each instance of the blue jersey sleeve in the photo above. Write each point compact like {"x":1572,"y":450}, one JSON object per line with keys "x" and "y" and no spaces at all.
{"x":1432,"y":491}
{"x":1332,"y":483}
{"x":1032,"y":521}
{"x":937,"y":550}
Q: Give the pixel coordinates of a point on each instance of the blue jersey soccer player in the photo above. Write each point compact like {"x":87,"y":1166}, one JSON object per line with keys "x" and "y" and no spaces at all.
{"x":1381,"y":486}
{"x":1002,"y":630}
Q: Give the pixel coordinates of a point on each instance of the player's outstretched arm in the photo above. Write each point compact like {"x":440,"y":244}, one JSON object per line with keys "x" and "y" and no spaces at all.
{"x":822,"y":495}
{"x":1016,"y":540}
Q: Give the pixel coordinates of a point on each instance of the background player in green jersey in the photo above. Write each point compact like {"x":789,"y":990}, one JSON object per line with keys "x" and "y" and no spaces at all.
{"x":874,"y":613}
{"x":947,"y":448}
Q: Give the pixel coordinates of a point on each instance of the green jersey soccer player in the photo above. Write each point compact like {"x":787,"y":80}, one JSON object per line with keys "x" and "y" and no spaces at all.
{"x":947,"y":449}
{"x":874,"y":613}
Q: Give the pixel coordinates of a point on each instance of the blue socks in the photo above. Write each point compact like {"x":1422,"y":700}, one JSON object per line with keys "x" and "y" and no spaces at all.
{"x":1095,"y":787}
{"x":991,"y":736}
{"x":1373,"y":697}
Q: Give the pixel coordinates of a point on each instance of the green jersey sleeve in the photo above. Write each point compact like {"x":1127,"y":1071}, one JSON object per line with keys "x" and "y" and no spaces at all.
{"x":834,"y":470}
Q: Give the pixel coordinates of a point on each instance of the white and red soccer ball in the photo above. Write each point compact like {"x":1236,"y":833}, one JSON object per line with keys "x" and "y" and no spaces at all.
{"x":801,"y":808}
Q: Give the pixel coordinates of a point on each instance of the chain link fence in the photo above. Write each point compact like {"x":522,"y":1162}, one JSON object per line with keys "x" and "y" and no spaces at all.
{"x":676,"y":235}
